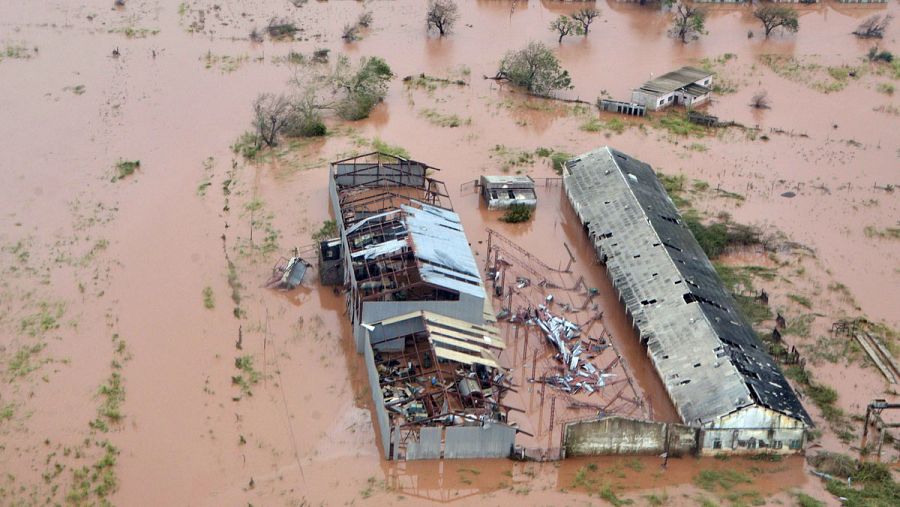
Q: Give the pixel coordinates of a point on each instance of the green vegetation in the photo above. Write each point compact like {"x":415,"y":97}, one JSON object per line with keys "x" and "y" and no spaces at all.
{"x":112,"y":394}
{"x":248,"y":376}
{"x":328,"y":230}
{"x":558,"y":160}
{"x":24,"y":362}
{"x":7,"y":412}
{"x":511,"y":157}
{"x":444,"y":120}
{"x":823,"y":396}
{"x":247,"y":145}
{"x":133,"y":32}
{"x":517,"y":213}
{"x":718,"y":236}
{"x":99,"y":480}
{"x":535,"y":69}
{"x":125,"y":168}
{"x":388,"y":149}
{"x":236,"y":286}
{"x":725,"y":479}
{"x":17,"y":52}
{"x":586,"y":479}
{"x":362,"y":88}
{"x":811,"y":74}
{"x":677,"y":123}
{"x":594,"y":124}
{"x":800,"y":300}
{"x":885,"y":88}
{"x":861,"y":483}
{"x":887,"y":233}
{"x":804,"y":500}
{"x":281,"y":29}
{"x":209,"y":299}
{"x":46,"y":319}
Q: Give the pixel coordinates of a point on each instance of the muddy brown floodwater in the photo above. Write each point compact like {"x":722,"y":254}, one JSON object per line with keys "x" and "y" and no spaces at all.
{"x":142,"y":360}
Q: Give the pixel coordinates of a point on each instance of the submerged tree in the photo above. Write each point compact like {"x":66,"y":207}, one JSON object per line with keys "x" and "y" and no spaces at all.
{"x":585,"y":17}
{"x":441,"y":14}
{"x":563,"y":25}
{"x":359,"y":89}
{"x":534,"y":68}
{"x":873,"y":27}
{"x":760,"y":100}
{"x":689,"y":22}
{"x":271,"y":114}
{"x":775,"y":16}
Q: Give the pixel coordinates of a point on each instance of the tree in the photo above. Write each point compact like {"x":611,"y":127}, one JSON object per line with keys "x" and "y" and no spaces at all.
{"x":564,"y":26}
{"x":441,"y":14}
{"x":774,"y":16}
{"x":689,"y":23}
{"x":359,"y":89}
{"x":760,"y":100}
{"x":873,"y":27}
{"x":534,"y":68}
{"x":271,"y":113}
{"x":586,"y":17}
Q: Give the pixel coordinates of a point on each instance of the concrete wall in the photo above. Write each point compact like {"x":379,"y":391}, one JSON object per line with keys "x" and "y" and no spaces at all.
{"x":753,"y":429}
{"x":384,"y":428}
{"x":620,"y":435}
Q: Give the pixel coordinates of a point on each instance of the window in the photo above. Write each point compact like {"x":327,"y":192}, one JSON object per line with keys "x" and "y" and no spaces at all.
{"x":717,"y":444}
{"x":671,"y":97}
{"x":661,"y":102}
{"x":776,"y":444}
{"x":794,"y":444}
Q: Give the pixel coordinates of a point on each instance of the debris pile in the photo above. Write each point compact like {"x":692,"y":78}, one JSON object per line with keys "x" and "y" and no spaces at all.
{"x":575,"y":354}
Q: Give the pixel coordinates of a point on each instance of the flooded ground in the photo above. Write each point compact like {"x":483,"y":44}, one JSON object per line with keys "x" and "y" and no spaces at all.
{"x":142,"y":360}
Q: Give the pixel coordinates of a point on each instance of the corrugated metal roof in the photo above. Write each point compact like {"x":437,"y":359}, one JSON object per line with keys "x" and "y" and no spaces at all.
{"x":446,"y":259}
{"x":671,"y":81}
{"x":708,"y":356}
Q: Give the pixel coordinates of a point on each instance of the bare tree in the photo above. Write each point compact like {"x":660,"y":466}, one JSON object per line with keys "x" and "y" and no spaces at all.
{"x":365,"y":19}
{"x":873,"y":27}
{"x":441,"y":14}
{"x":586,"y":17}
{"x":564,"y":25}
{"x":775,"y":16}
{"x":689,"y":22}
{"x":271,"y":113}
{"x":760,"y":100}
{"x":350,"y":32}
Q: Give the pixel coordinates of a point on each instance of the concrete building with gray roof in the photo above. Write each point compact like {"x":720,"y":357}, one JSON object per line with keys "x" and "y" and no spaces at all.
{"x":715,"y":369}
{"x":687,"y":86}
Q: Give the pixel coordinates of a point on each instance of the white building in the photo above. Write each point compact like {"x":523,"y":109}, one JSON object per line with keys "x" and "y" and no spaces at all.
{"x":687,"y":86}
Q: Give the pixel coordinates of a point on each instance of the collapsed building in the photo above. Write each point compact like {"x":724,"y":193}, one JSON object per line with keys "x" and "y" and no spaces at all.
{"x":419,"y":312}
{"x":501,"y":192}
{"x":715,"y":369}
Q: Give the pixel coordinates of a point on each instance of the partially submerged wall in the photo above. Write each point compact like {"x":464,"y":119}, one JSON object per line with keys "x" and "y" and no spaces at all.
{"x":620,"y":435}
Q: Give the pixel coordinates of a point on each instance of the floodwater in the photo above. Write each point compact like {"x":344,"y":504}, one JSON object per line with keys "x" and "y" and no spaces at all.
{"x":90,"y":264}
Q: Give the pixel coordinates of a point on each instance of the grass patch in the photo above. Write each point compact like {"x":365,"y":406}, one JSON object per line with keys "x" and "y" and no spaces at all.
{"x":125,"y":168}
{"x":45,"y":319}
{"x":517,"y":213}
{"x":800,"y":300}
{"x":7,"y":412}
{"x":860,"y":483}
{"x":328,"y":230}
{"x":248,"y":376}
{"x":444,"y":120}
{"x":887,"y":233}
{"x":558,"y":160}
{"x":209,"y":299}
{"x":112,"y":393}
{"x":17,"y":52}
{"x":24,"y":362}
{"x":678,"y":124}
{"x":382,"y":147}
{"x":725,"y":479}
{"x":247,"y":145}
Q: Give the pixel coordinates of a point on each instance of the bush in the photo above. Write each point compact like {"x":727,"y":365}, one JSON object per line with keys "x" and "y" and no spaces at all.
{"x":125,"y":168}
{"x":517,"y":213}
{"x":362,"y":88}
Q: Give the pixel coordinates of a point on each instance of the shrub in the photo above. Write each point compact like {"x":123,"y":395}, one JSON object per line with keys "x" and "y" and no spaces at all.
{"x":517,"y":213}
{"x":125,"y":168}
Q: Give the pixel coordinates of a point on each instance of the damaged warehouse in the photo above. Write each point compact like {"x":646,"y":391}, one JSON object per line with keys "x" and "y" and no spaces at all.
{"x":419,"y":312}
{"x":715,"y":369}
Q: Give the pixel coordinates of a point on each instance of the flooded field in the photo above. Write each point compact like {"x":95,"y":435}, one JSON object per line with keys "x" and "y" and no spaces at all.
{"x":144,"y":363}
